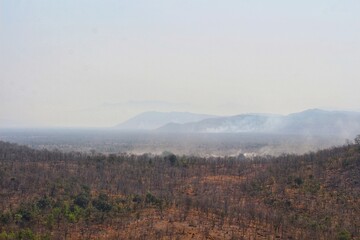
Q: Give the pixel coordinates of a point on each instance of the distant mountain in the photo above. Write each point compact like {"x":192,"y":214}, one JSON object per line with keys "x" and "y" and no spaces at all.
{"x":154,"y":120}
{"x":309,"y":122}
{"x":239,"y":123}
{"x":321,"y":122}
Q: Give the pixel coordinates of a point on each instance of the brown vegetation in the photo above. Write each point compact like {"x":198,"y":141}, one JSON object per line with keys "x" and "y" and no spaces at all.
{"x":55,"y":195}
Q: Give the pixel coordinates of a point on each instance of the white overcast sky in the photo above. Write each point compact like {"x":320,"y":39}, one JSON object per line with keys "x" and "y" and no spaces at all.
{"x":97,"y":63}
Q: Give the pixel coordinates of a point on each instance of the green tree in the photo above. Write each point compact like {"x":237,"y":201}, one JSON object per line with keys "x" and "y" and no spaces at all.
{"x":102,"y":203}
{"x":82,"y":200}
{"x":344,"y":235}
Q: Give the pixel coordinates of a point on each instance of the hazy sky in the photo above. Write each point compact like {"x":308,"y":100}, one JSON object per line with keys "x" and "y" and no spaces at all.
{"x":97,"y":63}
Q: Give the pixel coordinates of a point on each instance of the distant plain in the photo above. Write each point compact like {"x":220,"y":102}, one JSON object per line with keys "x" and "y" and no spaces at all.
{"x":110,"y":140}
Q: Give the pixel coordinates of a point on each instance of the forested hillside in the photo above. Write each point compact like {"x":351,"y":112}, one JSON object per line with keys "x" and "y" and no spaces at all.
{"x":55,"y":195}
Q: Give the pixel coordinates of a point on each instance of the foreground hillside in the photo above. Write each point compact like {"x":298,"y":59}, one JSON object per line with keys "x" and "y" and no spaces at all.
{"x":56,"y":195}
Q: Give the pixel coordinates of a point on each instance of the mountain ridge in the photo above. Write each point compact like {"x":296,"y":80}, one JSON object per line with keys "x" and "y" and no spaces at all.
{"x":152,"y":120}
{"x":308,"y":122}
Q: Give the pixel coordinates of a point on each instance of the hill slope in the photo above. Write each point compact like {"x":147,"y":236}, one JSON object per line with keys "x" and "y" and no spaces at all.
{"x":55,"y":195}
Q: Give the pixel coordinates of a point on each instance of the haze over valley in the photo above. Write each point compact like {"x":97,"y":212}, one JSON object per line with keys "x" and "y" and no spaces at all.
{"x":201,"y":134}
{"x":181,"y":120}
